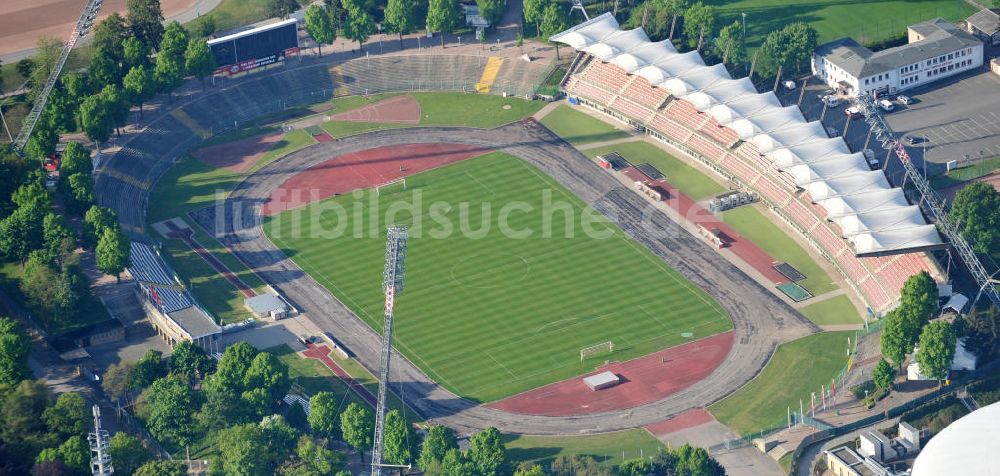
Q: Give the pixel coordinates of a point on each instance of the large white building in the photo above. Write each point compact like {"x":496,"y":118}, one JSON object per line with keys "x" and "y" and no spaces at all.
{"x":936,"y":50}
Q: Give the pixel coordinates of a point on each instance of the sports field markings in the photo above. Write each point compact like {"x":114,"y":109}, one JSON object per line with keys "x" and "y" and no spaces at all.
{"x":481,"y":184}
{"x":512,"y":374}
{"x":653,"y":315}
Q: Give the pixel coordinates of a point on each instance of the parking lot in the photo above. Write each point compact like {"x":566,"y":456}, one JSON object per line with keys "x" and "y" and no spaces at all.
{"x":954,"y":119}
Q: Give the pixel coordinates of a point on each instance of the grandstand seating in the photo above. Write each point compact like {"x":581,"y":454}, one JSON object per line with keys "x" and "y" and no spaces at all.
{"x":878,"y":280}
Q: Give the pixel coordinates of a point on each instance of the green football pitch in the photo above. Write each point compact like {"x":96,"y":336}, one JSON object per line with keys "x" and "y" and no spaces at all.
{"x":486,"y":311}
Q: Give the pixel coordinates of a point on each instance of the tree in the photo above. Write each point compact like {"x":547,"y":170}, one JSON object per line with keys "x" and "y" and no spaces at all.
{"x":491,"y":10}
{"x":31,"y":194}
{"x":96,"y":119}
{"x":162,"y":468}
{"x":439,"y":440}
{"x":254,"y":448}
{"x":788,"y":49}
{"x":127,"y":452}
{"x":14,"y":349}
{"x":536,"y":470}
{"x":81,"y":191}
{"x":281,"y":8}
{"x":174,"y":43}
{"x":50,"y":468}
{"x":554,"y":20}
{"x":357,"y":426}
{"x":139,"y":86}
{"x":919,"y":301}
{"x":104,"y":69}
{"x":316,"y":458}
{"x":324,"y":415}
{"x":61,"y":111}
{"x":976,"y":210}
{"x":136,"y":53}
{"x":204,"y":26}
{"x":937,"y":349}
{"x":23,"y":432}
{"x":981,"y":329}
{"x":279,"y":439}
{"x":635,"y":467}
{"x":95,"y":221}
{"x":699,"y":22}
{"x":895,"y":340}
{"x":677,"y":9}
{"x":75,"y":454}
{"x":400,"y":17}
{"x":802,"y":39}
{"x":360,"y":26}
{"x":75,"y":158}
{"x":487,"y":452}
{"x":198,"y":60}
{"x":167,"y":74}
{"x":534,"y":10}
{"x":110,"y":35}
{"x":147,"y":370}
{"x":692,"y":460}
{"x":43,"y":140}
{"x":455,"y":464}
{"x":319,"y":26}
{"x":21,"y":232}
{"x":399,"y":439}
{"x":117,"y":106}
{"x":69,"y":416}
{"x":270,"y":375}
{"x":884,"y":374}
{"x":117,"y":379}
{"x":145,"y":19}
{"x":730,"y":45}
{"x":170,"y":406}
{"x":190,"y":361}
{"x":113,"y":253}
{"x":443,"y":16}
{"x":48,"y":51}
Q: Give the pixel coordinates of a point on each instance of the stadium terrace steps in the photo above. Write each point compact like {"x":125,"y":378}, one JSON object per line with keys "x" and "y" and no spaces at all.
{"x":412,"y":73}
{"x":877,"y":280}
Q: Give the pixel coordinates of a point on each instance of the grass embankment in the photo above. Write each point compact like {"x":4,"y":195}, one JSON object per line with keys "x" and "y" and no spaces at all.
{"x":606,"y":448}
{"x":578,"y":128}
{"x":795,"y":370}
{"x":489,"y":314}
{"x":762,"y":231}
{"x":689,"y":180}
{"x":832,"y":311}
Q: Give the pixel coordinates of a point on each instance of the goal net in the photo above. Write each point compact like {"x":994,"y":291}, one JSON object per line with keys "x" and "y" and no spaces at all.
{"x":597,"y":349}
{"x":390,"y":186}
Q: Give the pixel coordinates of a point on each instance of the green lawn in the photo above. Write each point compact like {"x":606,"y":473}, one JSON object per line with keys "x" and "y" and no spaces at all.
{"x":230,"y":14}
{"x":964,"y":174}
{"x":836,"y":310}
{"x":487,"y":313}
{"x":579,"y":128}
{"x":795,"y":370}
{"x":291,"y":142}
{"x":764,"y":233}
{"x":472,"y":110}
{"x":689,"y":180}
{"x":865,"y":20}
{"x":188,"y":185}
{"x":606,"y":448}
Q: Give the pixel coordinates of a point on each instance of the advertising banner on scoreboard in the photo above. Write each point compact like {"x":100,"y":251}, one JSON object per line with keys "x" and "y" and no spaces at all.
{"x":244,"y":66}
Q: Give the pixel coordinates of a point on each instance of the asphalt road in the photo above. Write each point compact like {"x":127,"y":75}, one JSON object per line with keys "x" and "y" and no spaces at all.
{"x":760,"y":319}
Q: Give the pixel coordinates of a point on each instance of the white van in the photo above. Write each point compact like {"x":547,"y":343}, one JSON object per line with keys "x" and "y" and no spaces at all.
{"x":886,"y":105}
{"x":831,"y":101}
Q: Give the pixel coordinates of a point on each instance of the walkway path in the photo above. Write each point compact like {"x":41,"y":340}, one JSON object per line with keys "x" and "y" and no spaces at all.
{"x":322,"y":354}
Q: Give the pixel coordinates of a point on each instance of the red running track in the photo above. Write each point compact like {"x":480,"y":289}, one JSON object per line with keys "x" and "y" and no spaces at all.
{"x":750,"y":253}
{"x":363,"y":169}
{"x":646,"y":380}
{"x":185,"y":235}
{"x":322,"y":353}
{"x":399,"y":109}
{"x":688,"y":419}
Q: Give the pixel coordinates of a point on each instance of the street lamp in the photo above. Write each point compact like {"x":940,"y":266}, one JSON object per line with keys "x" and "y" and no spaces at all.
{"x":744,"y":25}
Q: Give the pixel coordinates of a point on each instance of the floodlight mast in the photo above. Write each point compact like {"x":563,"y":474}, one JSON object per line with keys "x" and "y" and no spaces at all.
{"x":392,"y":282}
{"x":83,"y":24}
{"x":100,"y":461}
{"x":929,"y":199}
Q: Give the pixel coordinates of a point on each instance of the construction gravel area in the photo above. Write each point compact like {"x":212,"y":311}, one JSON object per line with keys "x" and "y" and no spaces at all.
{"x":761,"y":321}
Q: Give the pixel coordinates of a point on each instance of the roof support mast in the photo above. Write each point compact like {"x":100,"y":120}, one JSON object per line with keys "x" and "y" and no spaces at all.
{"x":392,"y":282}
{"x":82,"y":25}
{"x":929,"y":199}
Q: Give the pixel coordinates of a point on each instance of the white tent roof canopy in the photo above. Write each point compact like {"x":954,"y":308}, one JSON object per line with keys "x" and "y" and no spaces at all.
{"x":873,"y":216}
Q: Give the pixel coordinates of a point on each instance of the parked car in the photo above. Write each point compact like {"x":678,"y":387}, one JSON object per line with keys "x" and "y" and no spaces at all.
{"x":831,"y":101}
{"x":822,"y":96}
{"x":853,"y":112}
{"x":914,"y":140}
{"x":789,"y":85}
{"x":886,"y":105}
{"x":904,"y":100}
{"x":871,"y":159}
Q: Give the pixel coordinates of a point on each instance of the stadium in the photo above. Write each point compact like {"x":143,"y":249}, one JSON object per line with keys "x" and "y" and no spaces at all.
{"x":492,"y":330}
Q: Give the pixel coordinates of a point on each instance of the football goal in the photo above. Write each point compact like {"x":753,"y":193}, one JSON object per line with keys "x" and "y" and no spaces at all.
{"x":597,"y":349}
{"x":391,"y":183}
